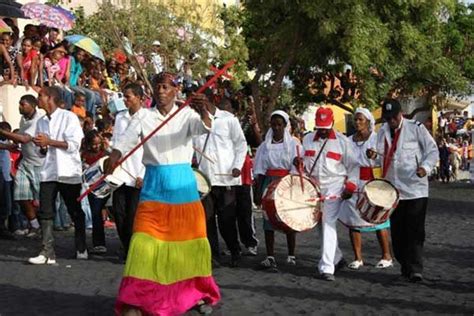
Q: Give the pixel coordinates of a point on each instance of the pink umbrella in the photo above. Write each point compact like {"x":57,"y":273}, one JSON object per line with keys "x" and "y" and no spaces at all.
{"x":50,"y":16}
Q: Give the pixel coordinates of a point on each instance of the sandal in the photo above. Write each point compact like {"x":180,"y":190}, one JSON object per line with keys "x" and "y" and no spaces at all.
{"x":355,"y":265}
{"x":384,"y":264}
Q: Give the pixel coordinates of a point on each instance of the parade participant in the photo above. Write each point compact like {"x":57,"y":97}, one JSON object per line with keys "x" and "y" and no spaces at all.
{"x":226,"y":147}
{"x":93,"y":150}
{"x":5,"y":182}
{"x":168,"y":268}
{"x":58,"y":138}
{"x":365,"y":137}
{"x":125,"y":198}
{"x":410,"y":153}
{"x":27,"y":180}
{"x":330,"y":161}
{"x":273,"y":161}
{"x":243,"y":193}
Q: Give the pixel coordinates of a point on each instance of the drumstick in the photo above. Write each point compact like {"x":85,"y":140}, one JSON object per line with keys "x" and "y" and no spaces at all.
{"x":300,"y":172}
{"x":224,"y":174}
{"x":202,"y":154}
{"x":417,"y":162}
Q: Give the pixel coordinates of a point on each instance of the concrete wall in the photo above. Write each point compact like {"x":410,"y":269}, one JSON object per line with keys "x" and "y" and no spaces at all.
{"x":9,"y":100}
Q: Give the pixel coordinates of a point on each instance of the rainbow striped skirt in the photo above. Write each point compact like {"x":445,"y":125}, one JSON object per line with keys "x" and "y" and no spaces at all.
{"x":168,"y":267}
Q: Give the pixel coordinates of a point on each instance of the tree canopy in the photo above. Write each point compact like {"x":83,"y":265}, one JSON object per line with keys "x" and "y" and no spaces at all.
{"x":394,"y":47}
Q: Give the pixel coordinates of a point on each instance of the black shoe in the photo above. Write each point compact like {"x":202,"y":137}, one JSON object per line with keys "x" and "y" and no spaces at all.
{"x":5,"y":234}
{"x":416,"y":277}
{"x":328,"y":277}
{"x":235,"y":260}
{"x":340,"y":265}
{"x":215,"y":263}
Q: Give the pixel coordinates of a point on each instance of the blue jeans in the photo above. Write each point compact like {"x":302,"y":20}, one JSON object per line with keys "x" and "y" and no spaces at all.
{"x":61,"y":218}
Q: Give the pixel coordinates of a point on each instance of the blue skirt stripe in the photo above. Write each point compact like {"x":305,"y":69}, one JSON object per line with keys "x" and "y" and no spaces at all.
{"x":173,"y":184}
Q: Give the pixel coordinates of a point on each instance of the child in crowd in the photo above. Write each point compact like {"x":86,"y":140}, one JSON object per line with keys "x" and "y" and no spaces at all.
{"x":79,"y":106}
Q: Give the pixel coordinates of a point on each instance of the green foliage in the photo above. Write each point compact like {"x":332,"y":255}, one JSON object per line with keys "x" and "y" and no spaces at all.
{"x":408,"y":47}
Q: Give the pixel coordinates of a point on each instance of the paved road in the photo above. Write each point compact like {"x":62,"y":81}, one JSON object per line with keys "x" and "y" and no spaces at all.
{"x":89,"y":287}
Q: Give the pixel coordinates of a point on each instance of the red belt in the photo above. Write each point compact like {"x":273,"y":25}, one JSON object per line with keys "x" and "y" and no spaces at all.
{"x":277,"y":172}
{"x":366,"y":173}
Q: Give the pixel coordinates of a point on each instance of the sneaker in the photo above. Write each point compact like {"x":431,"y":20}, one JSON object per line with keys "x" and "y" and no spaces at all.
{"x":41,"y":260}
{"x":20,"y":232}
{"x":269,"y":264}
{"x":355,"y":265}
{"x":291,"y":260}
{"x":82,"y":255}
{"x":251,"y":251}
{"x":202,"y":308}
{"x":328,"y":277}
{"x":99,"y":250}
{"x":34,"y":233}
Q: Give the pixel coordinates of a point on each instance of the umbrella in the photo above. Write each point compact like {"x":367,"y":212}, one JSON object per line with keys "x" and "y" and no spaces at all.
{"x":4,"y":28}
{"x":86,"y":44}
{"x":11,"y":9}
{"x":49,"y":16}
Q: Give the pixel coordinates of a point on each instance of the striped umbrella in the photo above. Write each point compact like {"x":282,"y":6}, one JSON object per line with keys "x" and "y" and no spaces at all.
{"x":4,"y":28}
{"x":86,"y":44}
{"x":50,"y":16}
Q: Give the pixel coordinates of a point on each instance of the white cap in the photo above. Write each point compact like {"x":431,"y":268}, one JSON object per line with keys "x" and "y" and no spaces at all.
{"x":156,"y":43}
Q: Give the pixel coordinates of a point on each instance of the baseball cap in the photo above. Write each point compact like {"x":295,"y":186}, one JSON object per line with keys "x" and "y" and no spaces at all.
{"x":390,"y":108}
{"x":156,"y":43}
{"x":324,"y":118}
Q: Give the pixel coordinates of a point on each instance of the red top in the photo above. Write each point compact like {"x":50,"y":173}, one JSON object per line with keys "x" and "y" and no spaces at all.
{"x":90,"y":158}
{"x":246,"y":172}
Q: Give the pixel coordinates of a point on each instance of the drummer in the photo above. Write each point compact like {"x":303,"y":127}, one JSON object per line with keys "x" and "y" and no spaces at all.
{"x":364,"y":138}
{"x":330,"y":161}
{"x":273,"y":161}
{"x":409,"y":154}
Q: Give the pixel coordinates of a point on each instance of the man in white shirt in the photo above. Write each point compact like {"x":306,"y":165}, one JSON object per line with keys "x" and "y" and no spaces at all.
{"x":410,"y":153}
{"x":156,"y":59}
{"x":329,"y":160}
{"x":226,"y":147}
{"x":58,"y":137}
{"x":125,"y":198}
{"x":27,"y":180}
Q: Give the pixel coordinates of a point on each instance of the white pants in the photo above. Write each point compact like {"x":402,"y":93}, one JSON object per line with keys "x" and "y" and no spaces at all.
{"x":330,"y":252}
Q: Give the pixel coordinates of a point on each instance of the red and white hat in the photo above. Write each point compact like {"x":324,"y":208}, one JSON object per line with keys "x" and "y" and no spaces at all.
{"x":324,"y":118}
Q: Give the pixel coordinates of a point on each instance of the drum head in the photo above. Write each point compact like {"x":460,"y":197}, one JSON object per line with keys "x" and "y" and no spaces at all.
{"x":297,"y":208}
{"x":203,"y":183}
{"x":381,"y":193}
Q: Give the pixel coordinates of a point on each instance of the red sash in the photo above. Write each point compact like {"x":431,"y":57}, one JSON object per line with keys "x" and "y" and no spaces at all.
{"x":277,"y":173}
{"x":366,"y":174}
{"x":389,"y":152}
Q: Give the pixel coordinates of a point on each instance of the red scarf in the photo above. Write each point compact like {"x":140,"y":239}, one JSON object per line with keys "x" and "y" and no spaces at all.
{"x":389,"y":152}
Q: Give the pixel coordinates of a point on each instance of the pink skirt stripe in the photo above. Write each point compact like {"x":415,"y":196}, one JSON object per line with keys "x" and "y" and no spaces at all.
{"x":173,"y":299}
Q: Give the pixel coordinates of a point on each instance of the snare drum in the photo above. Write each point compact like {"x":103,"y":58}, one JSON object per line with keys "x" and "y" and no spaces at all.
{"x":94,"y":173}
{"x":288,"y":208}
{"x":377,"y":201}
{"x":203,"y":183}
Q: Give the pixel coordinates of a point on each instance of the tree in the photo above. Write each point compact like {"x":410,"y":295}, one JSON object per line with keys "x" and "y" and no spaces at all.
{"x":395,"y":47}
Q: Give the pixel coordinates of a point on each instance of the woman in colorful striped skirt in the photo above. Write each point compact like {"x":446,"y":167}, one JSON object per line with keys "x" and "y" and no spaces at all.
{"x":168,"y":268}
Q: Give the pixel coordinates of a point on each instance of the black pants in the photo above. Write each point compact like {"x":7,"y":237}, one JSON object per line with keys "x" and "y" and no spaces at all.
{"x":97,"y":205}
{"x":70,"y":193}
{"x":408,"y":234}
{"x":245,"y":216}
{"x":124,"y":204}
{"x":221,"y":202}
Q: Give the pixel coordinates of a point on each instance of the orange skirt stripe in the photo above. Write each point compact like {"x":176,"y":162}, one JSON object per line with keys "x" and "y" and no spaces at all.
{"x":171,"y":222}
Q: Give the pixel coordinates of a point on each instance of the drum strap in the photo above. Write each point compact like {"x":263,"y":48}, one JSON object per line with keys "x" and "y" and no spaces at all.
{"x":204,"y":148}
{"x":317,"y":157}
{"x":389,"y":152}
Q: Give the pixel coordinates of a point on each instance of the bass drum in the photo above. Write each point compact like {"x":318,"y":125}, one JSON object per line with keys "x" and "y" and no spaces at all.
{"x":377,"y":201}
{"x":288,"y":207}
{"x":203,"y":183}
